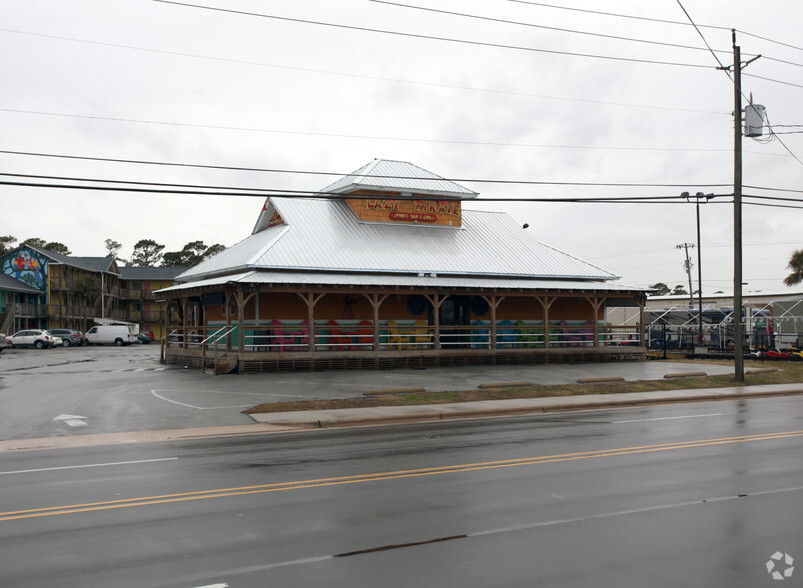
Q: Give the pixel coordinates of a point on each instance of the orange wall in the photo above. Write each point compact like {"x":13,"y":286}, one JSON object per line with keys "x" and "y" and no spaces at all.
{"x":288,"y":306}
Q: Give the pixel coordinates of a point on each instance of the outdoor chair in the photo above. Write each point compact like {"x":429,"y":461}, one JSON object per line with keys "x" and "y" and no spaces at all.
{"x":304,"y":335}
{"x":479,"y":337}
{"x":337,"y":339}
{"x":365,"y":335}
{"x":279,"y":337}
{"x":398,"y":339}
{"x":422,"y":337}
{"x":506,"y":336}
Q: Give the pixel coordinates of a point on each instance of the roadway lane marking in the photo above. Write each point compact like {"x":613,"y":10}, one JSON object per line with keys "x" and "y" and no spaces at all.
{"x":511,"y":529}
{"x":647,"y":509}
{"x":688,"y":416}
{"x":89,"y":465}
{"x":380,"y":476}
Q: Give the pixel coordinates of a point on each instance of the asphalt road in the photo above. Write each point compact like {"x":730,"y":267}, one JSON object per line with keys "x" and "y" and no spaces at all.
{"x":702,"y":494}
{"x":114,"y":390}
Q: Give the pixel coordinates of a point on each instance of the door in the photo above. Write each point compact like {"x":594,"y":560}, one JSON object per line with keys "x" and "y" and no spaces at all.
{"x":454,"y":313}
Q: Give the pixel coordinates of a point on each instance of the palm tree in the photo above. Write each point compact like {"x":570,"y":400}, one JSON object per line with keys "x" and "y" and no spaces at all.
{"x":796,"y":265}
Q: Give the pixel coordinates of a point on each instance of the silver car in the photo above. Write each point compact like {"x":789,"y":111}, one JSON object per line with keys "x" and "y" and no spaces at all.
{"x":38,"y":338}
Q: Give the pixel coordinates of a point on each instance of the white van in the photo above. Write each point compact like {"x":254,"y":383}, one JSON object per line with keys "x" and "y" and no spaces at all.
{"x":112,"y":334}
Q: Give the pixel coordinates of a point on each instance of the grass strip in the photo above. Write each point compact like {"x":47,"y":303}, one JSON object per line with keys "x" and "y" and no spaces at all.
{"x":788,"y":372}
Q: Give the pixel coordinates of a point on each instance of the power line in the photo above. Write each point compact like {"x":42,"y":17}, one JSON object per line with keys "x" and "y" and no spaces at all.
{"x":539,"y":26}
{"x":699,"y":32}
{"x":350,"y":136}
{"x":766,"y":79}
{"x":657,"y":20}
{"x":785,"y":146}
{"x":765,"y":204}
{"x":433,"y":37}
{"x":340,"y":174}
{"x":160,"y":188}
{"x":359,"y":76}
{"x":769,"y":40}
{"x":774,"y":198}
{"x":774,"y":189}
{"x":617,"y":15}
{"x":590,"y":33}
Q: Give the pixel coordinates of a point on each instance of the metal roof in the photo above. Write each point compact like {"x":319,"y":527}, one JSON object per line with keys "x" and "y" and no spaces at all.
{"x":325,"y":235}
{"x":426,"y":281}
{"x":399,"y":176}
{"x":138,"y":272}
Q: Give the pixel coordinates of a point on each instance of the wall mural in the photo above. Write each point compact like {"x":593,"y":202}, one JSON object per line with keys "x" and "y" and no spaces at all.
{"x":27,"y":266}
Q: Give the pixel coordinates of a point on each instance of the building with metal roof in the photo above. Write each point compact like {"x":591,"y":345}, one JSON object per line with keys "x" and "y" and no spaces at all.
{"x":386,"y":262}
{"x":65,"y":291}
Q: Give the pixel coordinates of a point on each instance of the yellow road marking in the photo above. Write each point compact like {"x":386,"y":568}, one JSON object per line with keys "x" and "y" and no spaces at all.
{"x":340,"y":480}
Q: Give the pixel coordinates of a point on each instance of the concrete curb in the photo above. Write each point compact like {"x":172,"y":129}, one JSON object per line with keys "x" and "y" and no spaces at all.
{"x":346,"y":417}
{"x":685,"y":375}
{"x":138,"y":437}
{"x":388,"y":391}
{"x":492,"y":385}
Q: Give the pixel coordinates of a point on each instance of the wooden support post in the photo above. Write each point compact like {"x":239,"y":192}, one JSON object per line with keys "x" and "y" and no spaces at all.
{"x":596,"y":303}
{"x":375,"y":301}
{"x":184,"y":322}
{"x":493,"y":304}
{"x":310,"y":300}
{"x":436,"y":300}
{"x":228,"y":322}
{"x":546,"y":301}
{"x":240,"y":318}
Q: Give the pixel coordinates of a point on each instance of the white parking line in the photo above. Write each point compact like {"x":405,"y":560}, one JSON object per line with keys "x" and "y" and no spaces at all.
{"x":263,"y":395}
{"x":690,"y":416}
{"x":90,"y":465}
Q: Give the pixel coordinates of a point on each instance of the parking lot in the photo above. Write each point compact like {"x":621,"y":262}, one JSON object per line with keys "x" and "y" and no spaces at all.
{"x":92,"y":389}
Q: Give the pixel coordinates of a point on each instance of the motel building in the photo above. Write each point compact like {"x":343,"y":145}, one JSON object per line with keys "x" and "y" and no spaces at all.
{"x":386,"y":268}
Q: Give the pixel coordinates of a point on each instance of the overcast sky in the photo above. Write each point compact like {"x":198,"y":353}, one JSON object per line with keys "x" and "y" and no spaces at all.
{"x":159,"y":82}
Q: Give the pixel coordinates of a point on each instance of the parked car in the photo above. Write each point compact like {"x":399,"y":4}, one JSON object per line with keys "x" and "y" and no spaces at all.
{"x":70,"y":337}
{"x":38,"y":338}
{"x":3,"y":342}
{"x":143,"y":338}
{"x":148,"y":332}
{"x":112,"y":334}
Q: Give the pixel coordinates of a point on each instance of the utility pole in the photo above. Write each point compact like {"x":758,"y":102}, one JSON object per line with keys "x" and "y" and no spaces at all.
{"x":738,"y":337}
{"x":738,"y":331}
{"x":697,"y":198}
{"x":687,"y":265}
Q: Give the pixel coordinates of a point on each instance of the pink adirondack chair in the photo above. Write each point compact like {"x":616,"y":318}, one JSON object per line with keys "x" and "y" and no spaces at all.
{"x":279,"y":337}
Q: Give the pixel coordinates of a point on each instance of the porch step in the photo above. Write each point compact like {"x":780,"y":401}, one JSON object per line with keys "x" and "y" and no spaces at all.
{"x":227,"y":364}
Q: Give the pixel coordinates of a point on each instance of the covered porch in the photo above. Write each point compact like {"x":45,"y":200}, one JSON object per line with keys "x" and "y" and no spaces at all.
{"x":264,"y":323}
